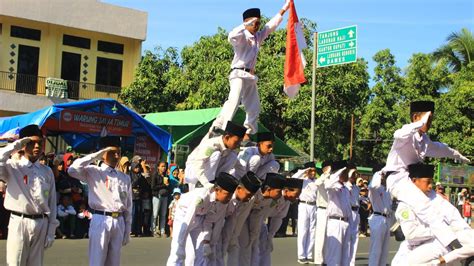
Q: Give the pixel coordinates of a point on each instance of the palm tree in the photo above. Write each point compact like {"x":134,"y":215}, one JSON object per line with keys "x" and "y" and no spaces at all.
{"x":458,"y":52}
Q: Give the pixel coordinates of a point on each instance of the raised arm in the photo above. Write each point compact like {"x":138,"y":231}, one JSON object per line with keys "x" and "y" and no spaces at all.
{"x":273,"y":23}
{"x":440,"y":150}
{"x":6,"y":152}
{"x":78,"y":167}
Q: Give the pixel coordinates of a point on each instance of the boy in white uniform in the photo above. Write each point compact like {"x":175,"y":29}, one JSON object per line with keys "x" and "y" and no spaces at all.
{"x":110,"y":200}
{"x":337,"y":242}
{"x":379,"y":221}
{"x":421,"y":246}
{"x":249,"y":236}
{"x":197,"y":213}
{"x":246,"y":40}
{"x":237,"y":211}
{"x":258,"y":159}
{"x":307,"y":213}
{"x":321,"y":217}
{"x":354,"y":221}
{"x":30,"y":197}
{"x":411,"y":145}
{"x":290,"y":194}
{"x":213,"y":156}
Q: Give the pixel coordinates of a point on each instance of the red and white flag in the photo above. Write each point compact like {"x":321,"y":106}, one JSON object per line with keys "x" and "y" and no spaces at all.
{"x":294,"y":60}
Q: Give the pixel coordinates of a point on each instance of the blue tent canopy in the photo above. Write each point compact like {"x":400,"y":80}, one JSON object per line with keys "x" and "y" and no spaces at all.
{"x":86,"y":142}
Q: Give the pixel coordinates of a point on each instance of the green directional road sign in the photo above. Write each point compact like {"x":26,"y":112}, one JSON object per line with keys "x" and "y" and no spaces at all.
{"x":337,"y":46}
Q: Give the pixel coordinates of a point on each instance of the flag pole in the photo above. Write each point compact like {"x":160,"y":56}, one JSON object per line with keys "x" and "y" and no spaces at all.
{"x":313,"y":95}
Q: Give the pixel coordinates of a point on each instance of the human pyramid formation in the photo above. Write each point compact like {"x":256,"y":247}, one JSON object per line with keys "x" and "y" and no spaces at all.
{"x":222,"y":219}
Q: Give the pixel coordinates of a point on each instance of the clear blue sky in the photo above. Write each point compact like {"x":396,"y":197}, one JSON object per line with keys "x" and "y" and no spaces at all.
{"x":404,"y":26}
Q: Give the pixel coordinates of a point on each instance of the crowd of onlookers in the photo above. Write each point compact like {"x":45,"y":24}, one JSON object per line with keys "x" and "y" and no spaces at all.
{"x":154,"y":194}
{"x":155,"y":191}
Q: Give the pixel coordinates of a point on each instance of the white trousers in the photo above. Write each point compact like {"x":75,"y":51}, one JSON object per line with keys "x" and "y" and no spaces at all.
{"x":105,"y":240}
{"x":379,"y":240}
{"x":242,"y":90}
{"x":336,"y":243}
{"x":306,"y":230}
{"x":421,"y":255}
{"x":26,"y":239}
{"x":178,"y":241}
{"x":353,"y":236}
{"x":319,"y":245}
{"x":402,"y":188}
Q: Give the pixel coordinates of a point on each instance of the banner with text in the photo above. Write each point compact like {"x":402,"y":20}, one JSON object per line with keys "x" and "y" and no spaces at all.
{"x":146,"y":148}
{"x":87,"y":122}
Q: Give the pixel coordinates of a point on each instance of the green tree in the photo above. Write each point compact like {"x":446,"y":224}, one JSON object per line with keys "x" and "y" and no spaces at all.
{"x":458,"y":52}
{"x":384,"y":114}
{"x":454,"y":114}
{"x":149,"y":91}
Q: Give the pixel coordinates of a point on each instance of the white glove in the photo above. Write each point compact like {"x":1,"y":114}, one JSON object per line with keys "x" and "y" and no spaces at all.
{"x":126,"y":239}
{"x":425,"y":117}
{"x":98,"y":155}
{"x":461,"y":158}
{"x":24,"y":141}
{"x":286,"y":5}
{"x":250,"y":22}
{"x":48,"y":241}
{"x":207,"y":250}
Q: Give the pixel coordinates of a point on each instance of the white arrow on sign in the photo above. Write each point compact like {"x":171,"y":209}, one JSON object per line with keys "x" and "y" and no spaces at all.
{"x":351,"y":44}
{"x":351,"y":33}
{"x":322,"y":60}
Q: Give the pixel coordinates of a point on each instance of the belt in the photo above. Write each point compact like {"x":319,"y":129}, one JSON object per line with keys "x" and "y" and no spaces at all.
{"x":308,"y":202}
{"x":390,"y":173}
{"x":106,"y":213}
{"x":242,"y":68}
{"x":29,"y":216}
{"x":381,"y":214}
{"x":355,"y":208}
{"x":321,"y":207}
{"x":338,"y":218}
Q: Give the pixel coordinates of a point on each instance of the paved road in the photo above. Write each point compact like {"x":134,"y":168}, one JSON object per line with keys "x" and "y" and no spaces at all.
{"x":154,"y":251}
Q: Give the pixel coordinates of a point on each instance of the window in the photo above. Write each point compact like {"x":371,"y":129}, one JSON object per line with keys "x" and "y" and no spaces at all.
{"x":1,"y":28}
{"x":110,"y":47}
{"x":109,"y":72}
{"x":25,"y":33}
{"x":76,"y":41}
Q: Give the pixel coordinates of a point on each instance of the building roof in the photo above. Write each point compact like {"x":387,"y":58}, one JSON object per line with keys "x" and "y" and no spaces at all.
{"x":91,"y":15}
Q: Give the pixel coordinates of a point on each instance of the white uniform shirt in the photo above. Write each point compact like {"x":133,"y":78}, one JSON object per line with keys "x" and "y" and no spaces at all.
{"x":379,"y":196}
{"x":321,"y":194}
{"x":246,"y":45}
{"x":209,"y":159}
{"x":278,"y":212}
{"x":30,"y":186}
{"x":339,"y":199}
{"x":200,"y":209}
{"x":109,"y":190}
{"x":309,"y":191}
{"x":250,"y":159}
{"x":409,"y":147}
{"x":354,"y":192}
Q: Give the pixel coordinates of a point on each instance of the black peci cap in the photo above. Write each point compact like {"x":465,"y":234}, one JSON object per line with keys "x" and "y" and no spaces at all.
{"x":226,"y":182}
{"x":309,"y":164}
{"x":420,"y":170}
{"x":326,"y":163}
{"x":377,"y":167}
{"x":351,"y":165}
{"x":274,"y":180}
{"x":338,"y":165}
{"x":235,"y":129}
{"x":30,"y":131}
{"x":251,"y":182}
{"x":265,"y":136}
{"x":422,"y":106}
{"x":109,"y":141}
{"x":294,"y":183}
{"x":250,"y":13}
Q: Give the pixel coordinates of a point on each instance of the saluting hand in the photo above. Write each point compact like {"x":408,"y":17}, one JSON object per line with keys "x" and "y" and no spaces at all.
{"x":286,"y":5}
{"x":250,"y":22}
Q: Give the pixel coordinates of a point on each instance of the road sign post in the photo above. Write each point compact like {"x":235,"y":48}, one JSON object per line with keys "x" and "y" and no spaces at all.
{"x":337,"y":46}
{"x":332,"y":47}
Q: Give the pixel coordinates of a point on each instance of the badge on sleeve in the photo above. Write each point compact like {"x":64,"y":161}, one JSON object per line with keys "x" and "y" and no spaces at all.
{"x":199,"y":201}
{"x":209,"y":151}
{"x":46,"y":193}
{"x":405,"y":214}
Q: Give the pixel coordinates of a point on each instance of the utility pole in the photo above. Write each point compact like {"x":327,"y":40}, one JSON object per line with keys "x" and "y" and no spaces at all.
{"x":313,"y":95}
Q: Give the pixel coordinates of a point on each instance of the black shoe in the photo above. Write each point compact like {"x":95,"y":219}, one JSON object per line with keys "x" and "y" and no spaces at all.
{"x":455,"y":245}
